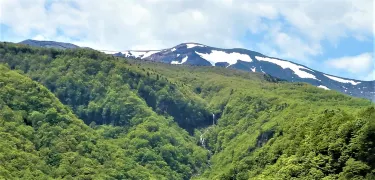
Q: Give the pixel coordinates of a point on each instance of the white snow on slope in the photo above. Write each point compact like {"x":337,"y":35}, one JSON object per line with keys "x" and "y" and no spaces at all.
{"x":108,"y":52}
{"x":173,"y":49}
{"x":193,"y":45}
{"x":184,"y":59}
{"x":323,"y":87}
{"x":220,"y":56}
{"x":182,"y":62}
{"x":262,"y":70}
{"x":136,"y":54}
{"x":139,"y":54}
{"x":286,"y":64}
{"x":341,"y":80}
{"x":126,"y":53}
{"x":253,"y":69}
{"x":149,"y":53}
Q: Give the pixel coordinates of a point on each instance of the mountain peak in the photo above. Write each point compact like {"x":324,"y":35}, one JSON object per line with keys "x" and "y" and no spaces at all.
{"x":191,"y":45}
{"x":192,"y":53}
{"x":49,"y":44}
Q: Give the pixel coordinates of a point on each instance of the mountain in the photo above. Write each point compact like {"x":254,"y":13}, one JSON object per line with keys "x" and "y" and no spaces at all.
{"x":243,"y":59}
{"x":117,"y":135}
{"x":82,"y":114}
{"x":49,"y":44}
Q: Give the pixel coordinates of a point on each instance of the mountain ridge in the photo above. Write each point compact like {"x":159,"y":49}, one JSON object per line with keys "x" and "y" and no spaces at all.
{"x":241,"y":49}
{"x":49,"y":44}
{"x":199,"y":54}
{"x":191,"y":53}
{"x":123,"y":118}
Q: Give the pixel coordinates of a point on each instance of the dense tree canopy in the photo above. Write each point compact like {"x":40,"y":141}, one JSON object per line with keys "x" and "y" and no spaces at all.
{"x":83,"y":114}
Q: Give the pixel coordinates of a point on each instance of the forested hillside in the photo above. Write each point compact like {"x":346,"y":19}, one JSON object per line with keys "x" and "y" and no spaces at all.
{"x":42,"y":138}
{"x":83,"y":114}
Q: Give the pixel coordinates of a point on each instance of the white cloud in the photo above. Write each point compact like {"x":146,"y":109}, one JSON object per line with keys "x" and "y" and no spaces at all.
{"x":292,"y":29}
{"x":370,"y":76}
{"x":39,"y":37}
{"x":354,"y":64}
{"x":279,"y":43}
{"x":361,"y":66}
{"x":289,"y":46}
{"x":308,"y":23}
{"x":330,"y":19}
{"x":30,"y":12}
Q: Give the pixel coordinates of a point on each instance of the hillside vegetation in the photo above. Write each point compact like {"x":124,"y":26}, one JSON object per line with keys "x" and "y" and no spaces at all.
{"x":82,"y":114}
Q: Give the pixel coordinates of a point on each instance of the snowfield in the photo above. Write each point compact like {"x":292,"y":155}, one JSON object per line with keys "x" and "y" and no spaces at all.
{"x":286,"y":64}
{"x":149,"y":53}
{"x":182,"y":62}
{"x":221,"y":56}
{"x":193,"y":45}
{"x":341,"y":80}
{"x":137,"y":54}
{"x":323,"y":87}
{"x":253,"y":69}
{"x":109,"y":52}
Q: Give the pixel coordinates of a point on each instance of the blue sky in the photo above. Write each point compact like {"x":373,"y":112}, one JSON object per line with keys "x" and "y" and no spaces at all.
{"x":335,"y":37}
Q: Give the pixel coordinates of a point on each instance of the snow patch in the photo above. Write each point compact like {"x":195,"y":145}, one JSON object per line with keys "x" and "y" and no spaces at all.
{"x":221,"y":56}
{"x":108,"y":52}
{"x":136,"y":54}
{"x":193,"y":45}
{"x":182,"y":62}
{"x":126,"y":53}
{"x":262,"y":70}
{"x":341,"y":80}
{"x":286,"y":64}
{"x":178,"y":55}
{"x":139,"y":54}
{"x":173,"y":49}
{"x":149,"y":53}
{"x":184,"y":59}
{"x":323,"y":87}
{"x":253,"y":69}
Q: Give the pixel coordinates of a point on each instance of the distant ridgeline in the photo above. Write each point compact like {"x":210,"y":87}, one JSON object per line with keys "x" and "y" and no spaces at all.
{"x":202,"y":55}
{"x":49,"y":44}
{"x":243,"y":59}
{"x":81,"y":114}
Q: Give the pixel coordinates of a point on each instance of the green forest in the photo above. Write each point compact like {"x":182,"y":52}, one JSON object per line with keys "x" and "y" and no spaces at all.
{"x":82,"y":114}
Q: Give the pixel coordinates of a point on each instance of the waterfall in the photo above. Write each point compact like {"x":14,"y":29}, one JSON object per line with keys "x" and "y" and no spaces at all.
{"x":213,"y":119}
{"x":202,"y":141}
